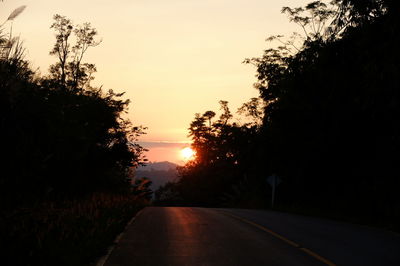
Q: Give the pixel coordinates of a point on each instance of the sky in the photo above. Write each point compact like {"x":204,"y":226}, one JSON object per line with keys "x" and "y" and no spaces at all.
{"x":173,"y":58}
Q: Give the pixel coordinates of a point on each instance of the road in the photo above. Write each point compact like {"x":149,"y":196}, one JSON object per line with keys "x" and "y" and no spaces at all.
{"x":200,"y":236}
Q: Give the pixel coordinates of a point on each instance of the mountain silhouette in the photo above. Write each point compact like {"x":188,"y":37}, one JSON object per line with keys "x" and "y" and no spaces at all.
{"x":158,"y":172}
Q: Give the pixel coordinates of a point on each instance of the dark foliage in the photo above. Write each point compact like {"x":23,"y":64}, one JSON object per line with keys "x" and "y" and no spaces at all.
{"x":58,"y":141}
{"x":71,"y":232}
{"x":61,"y":138}
{"x":333,"y":131}
{"x":218,"y":175}
{"x":331,"y":127}
{"x":66,"y":155}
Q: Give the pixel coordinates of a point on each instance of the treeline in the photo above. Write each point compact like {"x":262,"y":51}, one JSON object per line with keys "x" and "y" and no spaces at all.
{"x":61,"y":136}
{"x":67,"y":154}
{"x":331,"y":124}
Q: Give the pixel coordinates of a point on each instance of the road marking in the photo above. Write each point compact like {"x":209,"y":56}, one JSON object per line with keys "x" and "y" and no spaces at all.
{"x":315,"y":255}
{"x":290,"y":242}
{"x":103,"y":259}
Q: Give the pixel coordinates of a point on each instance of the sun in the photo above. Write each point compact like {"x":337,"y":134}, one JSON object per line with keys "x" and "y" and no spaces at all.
{"x":187,"y":153}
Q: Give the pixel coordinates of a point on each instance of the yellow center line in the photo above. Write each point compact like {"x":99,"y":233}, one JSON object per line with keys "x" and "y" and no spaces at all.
{"x":290,"y":242}
{"x":318,"y":257}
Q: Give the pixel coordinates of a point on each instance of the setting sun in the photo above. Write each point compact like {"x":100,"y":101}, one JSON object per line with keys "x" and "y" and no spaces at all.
{"x":187,"y":153}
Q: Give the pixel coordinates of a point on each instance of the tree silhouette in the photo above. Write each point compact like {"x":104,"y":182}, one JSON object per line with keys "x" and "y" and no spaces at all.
{"x":330,"y":124}
{"x":65,"y":191}
{"x":69,"y":70}
{"x":223,"y":157}
{"x":64,"y":137}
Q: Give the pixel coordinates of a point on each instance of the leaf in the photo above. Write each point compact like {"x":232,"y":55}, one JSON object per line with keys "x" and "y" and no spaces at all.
{"x":16,"y":12}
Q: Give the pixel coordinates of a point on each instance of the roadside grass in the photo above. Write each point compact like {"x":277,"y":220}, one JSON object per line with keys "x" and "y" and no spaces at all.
{"x":70,"y":232}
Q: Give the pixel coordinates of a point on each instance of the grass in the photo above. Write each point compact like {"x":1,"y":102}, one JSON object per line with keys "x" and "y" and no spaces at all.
{"x":71,"y":232}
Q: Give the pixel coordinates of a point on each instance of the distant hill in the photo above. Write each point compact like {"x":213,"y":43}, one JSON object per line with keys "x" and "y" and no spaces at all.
{"x":158,"y":172}
{"x":160,"y":166}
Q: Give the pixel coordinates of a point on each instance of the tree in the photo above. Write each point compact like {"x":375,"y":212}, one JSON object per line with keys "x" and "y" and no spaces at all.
{"x":313,"y":24}
{"x":253,"y":109}
{"x":331,"y":112}
{"x":69,"y":70}
{"x":223,"y":157}
{"x":330,"y":121}
{"x":141,"y":188}
{"x":61,"y":48}
{"x":64,"y":138}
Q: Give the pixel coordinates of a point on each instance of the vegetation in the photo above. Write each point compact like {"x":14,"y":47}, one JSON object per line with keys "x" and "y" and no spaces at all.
{"x":65,"y":188}
{"x":219,"y":175}
{"x":330,"y":128}
{"x":68,"y":232}
{"x":326,"y":122}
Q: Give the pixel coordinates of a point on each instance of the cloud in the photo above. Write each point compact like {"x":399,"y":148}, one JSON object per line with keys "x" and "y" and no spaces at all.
{"x":163,"y":144}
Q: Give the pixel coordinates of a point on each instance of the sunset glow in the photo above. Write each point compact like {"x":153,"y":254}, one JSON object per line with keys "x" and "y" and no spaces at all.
{"x":187,"y":153}
{"x":185,"y":35}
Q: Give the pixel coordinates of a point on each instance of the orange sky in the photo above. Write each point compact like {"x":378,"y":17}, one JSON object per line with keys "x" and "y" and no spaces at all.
{"x":165,"y":151}
{"x":173,"y":58}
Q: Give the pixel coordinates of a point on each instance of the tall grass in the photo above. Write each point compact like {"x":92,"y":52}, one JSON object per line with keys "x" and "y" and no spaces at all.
{"x":71,"y":232}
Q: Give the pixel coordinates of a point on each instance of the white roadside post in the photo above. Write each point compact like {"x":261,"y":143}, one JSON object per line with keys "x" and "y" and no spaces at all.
{"x":273,"y":181}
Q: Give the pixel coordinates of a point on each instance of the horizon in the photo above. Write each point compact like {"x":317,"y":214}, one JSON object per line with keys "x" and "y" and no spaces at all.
{"x":181,"y":57}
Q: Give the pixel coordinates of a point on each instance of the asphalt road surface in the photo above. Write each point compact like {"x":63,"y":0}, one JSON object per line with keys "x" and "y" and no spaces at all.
{"x":199,"y":236}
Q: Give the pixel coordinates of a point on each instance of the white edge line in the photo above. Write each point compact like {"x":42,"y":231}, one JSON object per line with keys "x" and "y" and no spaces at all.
{"x":103,"y":259}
